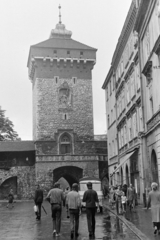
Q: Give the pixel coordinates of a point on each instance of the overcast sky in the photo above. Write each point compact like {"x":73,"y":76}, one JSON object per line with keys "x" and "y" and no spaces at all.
{"x":97,"y":23}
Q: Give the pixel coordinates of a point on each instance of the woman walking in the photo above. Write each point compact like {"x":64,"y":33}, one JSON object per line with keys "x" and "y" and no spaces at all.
{"x":118,"y":195}
{"x":154,"y":201}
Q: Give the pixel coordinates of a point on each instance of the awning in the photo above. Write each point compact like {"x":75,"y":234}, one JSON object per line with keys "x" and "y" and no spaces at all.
{"x":123,"y":160}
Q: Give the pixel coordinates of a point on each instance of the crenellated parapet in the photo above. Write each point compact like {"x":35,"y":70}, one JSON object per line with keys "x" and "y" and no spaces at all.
{"x":38,"y":61}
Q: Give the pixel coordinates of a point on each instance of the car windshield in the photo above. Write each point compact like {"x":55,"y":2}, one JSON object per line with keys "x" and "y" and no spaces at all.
{"x":95,"y":186}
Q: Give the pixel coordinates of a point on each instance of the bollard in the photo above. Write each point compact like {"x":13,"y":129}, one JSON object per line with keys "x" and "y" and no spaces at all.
{"x":144,"y":200}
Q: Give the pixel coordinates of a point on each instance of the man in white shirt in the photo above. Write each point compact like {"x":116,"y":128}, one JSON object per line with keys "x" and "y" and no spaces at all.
{"x":73,"y":204}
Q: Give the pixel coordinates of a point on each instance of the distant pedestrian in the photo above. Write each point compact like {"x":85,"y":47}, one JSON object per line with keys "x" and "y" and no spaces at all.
{"x":73,"y":204}
{"x":118,"y":195}
{"x":112,"y":197}
{"x":38,"y":199}
{"x":154,"y":201}
{"x":67,"y":190}
{"x":55,"y":197}
{"x":90,"y":197}
{"x":131,"y":196}
{"x":124,"y":201}
{"x":10,"y":199}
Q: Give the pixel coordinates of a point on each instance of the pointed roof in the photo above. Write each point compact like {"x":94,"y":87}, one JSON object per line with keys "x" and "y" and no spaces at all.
{"x":63,"y":43}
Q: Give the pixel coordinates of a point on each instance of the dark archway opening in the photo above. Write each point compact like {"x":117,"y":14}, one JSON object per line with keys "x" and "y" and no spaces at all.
{"x":154,"y":167}
{"x":70,"y":173}
{"x":9,"y":183}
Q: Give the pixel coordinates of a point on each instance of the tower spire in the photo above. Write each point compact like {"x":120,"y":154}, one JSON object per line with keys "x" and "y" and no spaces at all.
{"x":60,"y":14}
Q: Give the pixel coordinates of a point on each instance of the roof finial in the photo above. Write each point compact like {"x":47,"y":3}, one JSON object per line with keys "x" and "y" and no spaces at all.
{"x":59,"y":14}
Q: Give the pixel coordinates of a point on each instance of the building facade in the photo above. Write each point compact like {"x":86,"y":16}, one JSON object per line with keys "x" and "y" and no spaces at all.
{"x":128,"y":107}
{"x":148,"y":28}
{"x":109,"y":86}
{"x":60,"y":70}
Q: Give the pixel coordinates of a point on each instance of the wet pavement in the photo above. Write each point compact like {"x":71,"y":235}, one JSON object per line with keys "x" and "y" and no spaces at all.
{"x":142,"y":219}
{"x":19,"y":223}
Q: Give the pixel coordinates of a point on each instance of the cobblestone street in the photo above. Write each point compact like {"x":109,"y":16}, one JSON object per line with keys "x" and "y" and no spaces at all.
{"x":19,"y":223}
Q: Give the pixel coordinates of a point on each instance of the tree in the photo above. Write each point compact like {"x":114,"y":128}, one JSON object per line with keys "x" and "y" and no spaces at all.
{"x":7,"y":132}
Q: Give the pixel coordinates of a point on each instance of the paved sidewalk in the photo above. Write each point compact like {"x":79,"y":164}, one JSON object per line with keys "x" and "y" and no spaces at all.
{"x":139,"y":222}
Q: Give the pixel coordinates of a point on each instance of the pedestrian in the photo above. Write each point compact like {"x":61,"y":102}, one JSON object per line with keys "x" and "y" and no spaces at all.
{"x":90,"y":197}
{"x":55,"y":197}
{"x":10,"y":199}
{"x":67,"y":190}
{"x":118,"y":195}
{"x":124,"y":201}
{"x":112,"y":197}
{"x":154,"y":201}
{"x":131,"y":195}
{"x":73,"y":204}
{"x":38,"y":199}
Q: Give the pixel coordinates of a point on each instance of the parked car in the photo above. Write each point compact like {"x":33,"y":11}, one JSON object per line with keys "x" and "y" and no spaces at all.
{"x":96,"y":185}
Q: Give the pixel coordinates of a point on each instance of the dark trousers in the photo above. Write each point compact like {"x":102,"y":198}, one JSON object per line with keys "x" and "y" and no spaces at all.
{"x":74,"y":220}
{"x":56,"y":216}
{"x":157,"y":224}
{"x":91,"y":219}
{"x":39,"y":210}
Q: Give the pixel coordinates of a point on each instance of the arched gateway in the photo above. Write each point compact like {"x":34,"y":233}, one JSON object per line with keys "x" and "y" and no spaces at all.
{"x":70,"y":173}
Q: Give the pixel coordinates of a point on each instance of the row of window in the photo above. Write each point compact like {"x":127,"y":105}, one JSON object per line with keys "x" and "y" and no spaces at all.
{"x":125,"y":57}
{"x":113,"y":148}
{"x":68,"y":52}
{"x":129,"y":91}
{"x":130,"y":130}
{"x":73,"y":78}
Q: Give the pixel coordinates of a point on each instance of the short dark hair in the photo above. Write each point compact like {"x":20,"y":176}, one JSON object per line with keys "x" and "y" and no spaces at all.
{"x":75,"y":186}
{"x":89,"y":184}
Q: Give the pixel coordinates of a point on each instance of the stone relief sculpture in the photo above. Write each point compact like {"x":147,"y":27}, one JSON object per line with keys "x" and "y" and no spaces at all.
{"x":64,"y":96}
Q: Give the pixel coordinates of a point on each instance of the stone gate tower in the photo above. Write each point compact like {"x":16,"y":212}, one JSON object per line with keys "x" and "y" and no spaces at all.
{"x":60,"y":70}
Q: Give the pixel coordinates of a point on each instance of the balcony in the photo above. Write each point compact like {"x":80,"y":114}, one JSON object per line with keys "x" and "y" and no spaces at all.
{"x":154,"y":120}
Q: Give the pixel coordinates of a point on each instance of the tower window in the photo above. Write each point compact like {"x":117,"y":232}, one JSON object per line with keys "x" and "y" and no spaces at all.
{"x":56,"y":79}
{"x":81,"y":53}
{"x":55,"y":51}
{"x":65,"y":144}
{"x":74,"y":79}
{"x":68,"y":52}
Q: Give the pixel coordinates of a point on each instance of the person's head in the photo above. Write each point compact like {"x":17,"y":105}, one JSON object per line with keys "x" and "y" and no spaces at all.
{"x":154,"y":186}
{"x":89,"y":185}
{"x":57,"y":185}
{"x":119,"y":187}
{"x":122,"y":193}
{"x":11,"y":190}
{"x":75,"y":187}
{"x":130,"y":185}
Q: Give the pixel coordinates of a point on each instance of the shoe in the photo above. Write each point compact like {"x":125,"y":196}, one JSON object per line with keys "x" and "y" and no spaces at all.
{"x":155,"y":230}
{"x":54,"y":232}
{"x":57,"y":234}
{"x":90,"y":235}
{"x":72,"y":235}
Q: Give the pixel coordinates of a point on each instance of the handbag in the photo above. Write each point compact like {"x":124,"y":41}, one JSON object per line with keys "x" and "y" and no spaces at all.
{"x":35,"y":208}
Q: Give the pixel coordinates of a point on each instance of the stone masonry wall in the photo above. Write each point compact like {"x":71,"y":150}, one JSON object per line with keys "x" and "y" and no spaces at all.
{"x":50,"y":118}
{"x":25,"y":180}
{"x":47,"y":164}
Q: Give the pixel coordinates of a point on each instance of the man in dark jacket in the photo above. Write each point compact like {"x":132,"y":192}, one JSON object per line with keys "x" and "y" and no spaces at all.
{"x":91,"y":198}
{"x":38,"y":199}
